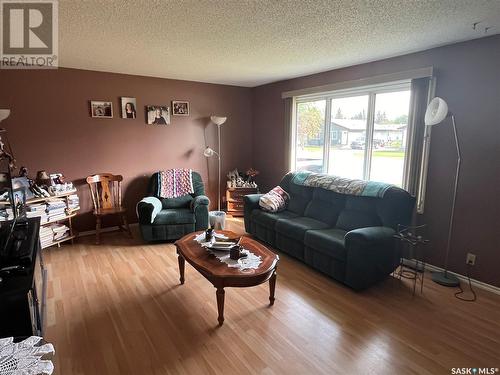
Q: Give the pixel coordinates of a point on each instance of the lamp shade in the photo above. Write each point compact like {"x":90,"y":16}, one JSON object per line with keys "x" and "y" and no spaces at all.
{"x":436,"y":112}
{"x":4,"y":113}
{"x":208,"y":152}
{"x":217,"y":120}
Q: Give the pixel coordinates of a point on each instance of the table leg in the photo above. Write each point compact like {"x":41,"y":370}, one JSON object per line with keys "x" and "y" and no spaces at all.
{"x":220,"y":304}
{"x":182,"y":262}
{"x":272,"y":286}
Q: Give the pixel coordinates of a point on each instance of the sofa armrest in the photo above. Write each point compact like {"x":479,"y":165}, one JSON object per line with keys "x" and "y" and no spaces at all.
{"x":200,"y":200}
{"x":199,"y":205}
{"x":147,"y":209}
{"x":371,"y":256}
{"x":370,"y":234}
{"x":250,"y":202}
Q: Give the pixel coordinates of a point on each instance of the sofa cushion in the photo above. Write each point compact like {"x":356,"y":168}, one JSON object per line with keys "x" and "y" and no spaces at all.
{"x":327,"y":241}
{"x":359,"y":212}
{"x":395,"y":208}
{"x":325,"y":206}
{"x":300,"y":196}
{"x":179,"y":202}
{"x":174,"y":216}
{"x":269,"y":219}
{"x":296,"y":228}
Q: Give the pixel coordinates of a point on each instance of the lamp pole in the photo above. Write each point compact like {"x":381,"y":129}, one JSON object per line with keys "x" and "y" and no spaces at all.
{"x":218,"y":180}
{"x":457,"y":176}
{"x":444,"y":278}
{"x":217,"y":120}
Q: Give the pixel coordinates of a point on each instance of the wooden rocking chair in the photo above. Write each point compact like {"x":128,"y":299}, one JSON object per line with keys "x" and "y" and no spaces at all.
{"x":106,"y":193}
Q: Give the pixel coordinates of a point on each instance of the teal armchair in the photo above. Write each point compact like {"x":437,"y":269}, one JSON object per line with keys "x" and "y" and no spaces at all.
{"x":163,"y":219}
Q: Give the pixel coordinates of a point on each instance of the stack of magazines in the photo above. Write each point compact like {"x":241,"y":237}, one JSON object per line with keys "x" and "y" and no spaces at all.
{"x":37,"y":210}
{"x":73,"y":202}
{"x":46,"y":236}
{"x":60,"y":231}
{"x":52,"y":233}
{"x":6,"y":214}
{"x":56,"y":210}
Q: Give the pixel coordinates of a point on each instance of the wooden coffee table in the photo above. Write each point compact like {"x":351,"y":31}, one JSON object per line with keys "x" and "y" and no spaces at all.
{"x":222,"y":276}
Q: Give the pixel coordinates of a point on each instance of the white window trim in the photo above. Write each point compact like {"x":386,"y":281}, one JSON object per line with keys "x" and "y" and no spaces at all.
{"x":371,"y":92}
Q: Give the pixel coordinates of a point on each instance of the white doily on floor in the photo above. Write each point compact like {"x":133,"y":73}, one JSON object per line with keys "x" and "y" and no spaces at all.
{"x":25,"y":357}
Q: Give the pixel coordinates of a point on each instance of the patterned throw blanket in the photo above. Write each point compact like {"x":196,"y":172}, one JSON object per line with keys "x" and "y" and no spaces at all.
{"x":174,"y":183}
{"x":342,"y":185}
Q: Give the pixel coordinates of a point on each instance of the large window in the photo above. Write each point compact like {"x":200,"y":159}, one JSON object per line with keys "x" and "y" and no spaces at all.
{"x":356,"y":134}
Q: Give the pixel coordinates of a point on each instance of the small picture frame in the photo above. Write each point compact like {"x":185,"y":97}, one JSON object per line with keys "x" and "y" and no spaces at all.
{"x":23,"y":183}
{"x":19,"y":196}
{"x":180,"y":108}
{"x":129,"y":107}
{"x":158,"y":114}
{"x":56,"y":179}
{"x":101,"y":109}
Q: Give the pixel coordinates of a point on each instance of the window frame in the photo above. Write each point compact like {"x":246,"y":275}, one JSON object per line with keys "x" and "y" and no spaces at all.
{"x":371,"y":91}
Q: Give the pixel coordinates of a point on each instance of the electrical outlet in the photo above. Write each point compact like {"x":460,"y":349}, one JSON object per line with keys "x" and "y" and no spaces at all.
{"x":471,"y":259}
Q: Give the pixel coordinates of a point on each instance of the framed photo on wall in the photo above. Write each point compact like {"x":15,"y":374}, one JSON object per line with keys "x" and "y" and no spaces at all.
{"x":158,"y":114}
{"x":129,"y":106}
{"x":180,"y":108}
{"x":101,"y":109}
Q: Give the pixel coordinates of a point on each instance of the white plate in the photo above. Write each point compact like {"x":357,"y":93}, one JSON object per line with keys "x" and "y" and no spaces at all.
{"x":222,"y":245}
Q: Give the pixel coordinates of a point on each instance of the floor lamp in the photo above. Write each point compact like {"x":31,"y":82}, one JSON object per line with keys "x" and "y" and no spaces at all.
{"x":210,"y":152}
{"x":437,"y":112}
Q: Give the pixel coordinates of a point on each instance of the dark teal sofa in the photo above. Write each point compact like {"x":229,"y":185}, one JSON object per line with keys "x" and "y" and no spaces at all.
{"x":170,"y":219}
{"x":347,"y":237}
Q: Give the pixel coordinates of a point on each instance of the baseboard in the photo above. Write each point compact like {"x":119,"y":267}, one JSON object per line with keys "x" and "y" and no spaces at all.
{"x":103,"y":230}
{"x":476,"y":283}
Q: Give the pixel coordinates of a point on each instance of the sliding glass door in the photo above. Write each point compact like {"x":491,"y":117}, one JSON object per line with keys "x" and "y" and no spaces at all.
{"x":360,"y":134}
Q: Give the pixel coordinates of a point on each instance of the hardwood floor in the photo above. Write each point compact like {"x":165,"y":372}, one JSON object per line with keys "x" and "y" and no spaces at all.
{"x":118,"y":308}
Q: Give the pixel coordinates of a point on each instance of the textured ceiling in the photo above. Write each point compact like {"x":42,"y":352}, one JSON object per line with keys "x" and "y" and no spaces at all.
{"x":248,"y":43}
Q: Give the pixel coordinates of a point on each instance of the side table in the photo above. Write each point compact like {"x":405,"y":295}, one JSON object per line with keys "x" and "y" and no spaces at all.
{"x":234,"y":198}
{"x":411,"y":256}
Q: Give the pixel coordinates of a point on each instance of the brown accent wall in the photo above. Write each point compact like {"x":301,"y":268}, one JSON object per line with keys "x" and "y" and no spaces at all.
{"x":468,"y":78}
{"x":50,"y":128}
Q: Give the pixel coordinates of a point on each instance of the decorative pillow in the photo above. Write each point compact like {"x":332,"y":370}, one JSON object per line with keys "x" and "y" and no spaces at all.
{"x":274,"y":201}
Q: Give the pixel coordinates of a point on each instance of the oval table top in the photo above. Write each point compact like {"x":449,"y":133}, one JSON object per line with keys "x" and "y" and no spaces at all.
{"x":218,"y":272}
